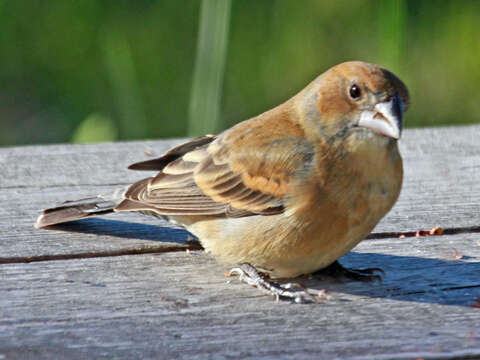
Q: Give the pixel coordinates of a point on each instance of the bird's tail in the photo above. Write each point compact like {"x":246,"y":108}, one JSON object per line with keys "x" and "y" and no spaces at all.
{"x":78,"y":209}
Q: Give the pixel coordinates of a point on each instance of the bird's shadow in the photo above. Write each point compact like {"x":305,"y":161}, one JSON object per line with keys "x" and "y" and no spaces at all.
{"x":407,"y":278}
{"x":128,"y":230}
{"x":410,"y":278}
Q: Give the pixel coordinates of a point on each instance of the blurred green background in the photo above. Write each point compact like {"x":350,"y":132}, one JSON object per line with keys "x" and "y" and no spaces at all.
{"x":94,"y":70}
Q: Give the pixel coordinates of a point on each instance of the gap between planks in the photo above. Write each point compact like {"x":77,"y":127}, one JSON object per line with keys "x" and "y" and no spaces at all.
{"x":447,"y":231}
{"x":197,"y":246}
{"x":87,"y":255}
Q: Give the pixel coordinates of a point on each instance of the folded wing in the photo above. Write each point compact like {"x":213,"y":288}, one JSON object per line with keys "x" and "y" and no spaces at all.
{"x":220,"y":176}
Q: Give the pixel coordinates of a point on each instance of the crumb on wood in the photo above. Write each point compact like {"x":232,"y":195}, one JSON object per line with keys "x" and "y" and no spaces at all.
{"x":149,"y":152}
{"x":437,"y":230}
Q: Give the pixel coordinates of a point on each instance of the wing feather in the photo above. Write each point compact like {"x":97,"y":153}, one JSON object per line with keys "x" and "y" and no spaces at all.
{"x":214,"y":176}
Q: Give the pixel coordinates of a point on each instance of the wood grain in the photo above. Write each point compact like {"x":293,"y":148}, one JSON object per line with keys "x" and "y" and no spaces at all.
{"x":167,"y":303}
{"x":441,"y":188}
{"x":179,"y":305}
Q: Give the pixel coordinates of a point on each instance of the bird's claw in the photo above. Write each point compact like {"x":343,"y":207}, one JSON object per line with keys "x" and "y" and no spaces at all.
{"x":336,"y":270}
{"x":289,"y":291}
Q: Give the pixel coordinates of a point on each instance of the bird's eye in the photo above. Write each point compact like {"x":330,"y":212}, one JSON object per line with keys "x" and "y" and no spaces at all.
{"x":355,"y":92}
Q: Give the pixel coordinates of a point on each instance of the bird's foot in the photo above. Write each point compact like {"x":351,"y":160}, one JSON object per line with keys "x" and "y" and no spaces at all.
{"x":290,"y":291}
{"x":336,"y":269}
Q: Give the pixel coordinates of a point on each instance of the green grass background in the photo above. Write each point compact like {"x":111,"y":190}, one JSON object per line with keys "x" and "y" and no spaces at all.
{"x":91,"y":70}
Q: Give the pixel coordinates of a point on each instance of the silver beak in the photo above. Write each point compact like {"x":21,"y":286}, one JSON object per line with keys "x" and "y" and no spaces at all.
{"x":386,"y":119}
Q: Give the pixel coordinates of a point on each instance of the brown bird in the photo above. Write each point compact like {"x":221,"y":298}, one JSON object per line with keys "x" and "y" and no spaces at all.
{"x":287,"y":192}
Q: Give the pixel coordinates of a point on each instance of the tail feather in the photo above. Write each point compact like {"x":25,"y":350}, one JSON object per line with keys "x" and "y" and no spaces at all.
{"x":75,"y":210}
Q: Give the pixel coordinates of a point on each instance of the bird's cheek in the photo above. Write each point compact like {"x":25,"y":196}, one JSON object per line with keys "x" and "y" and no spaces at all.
{"x":333,"y":108}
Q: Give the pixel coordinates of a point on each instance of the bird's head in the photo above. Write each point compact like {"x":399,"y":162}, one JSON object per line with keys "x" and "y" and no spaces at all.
{"x":355,"y":98}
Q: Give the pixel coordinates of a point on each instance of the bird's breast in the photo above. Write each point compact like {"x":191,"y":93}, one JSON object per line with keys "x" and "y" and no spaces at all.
{"x":335,"y":213}
{"x":324,"y":219}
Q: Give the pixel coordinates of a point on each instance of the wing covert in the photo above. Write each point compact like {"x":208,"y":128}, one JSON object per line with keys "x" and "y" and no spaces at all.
{"x":219,"y":176}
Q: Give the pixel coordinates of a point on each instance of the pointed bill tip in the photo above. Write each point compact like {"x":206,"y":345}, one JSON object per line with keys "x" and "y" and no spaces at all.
{"x":386,"y":119}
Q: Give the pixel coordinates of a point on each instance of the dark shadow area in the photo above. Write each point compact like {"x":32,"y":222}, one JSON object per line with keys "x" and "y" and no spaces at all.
{"x":128,"y":230}
{"x":409,"y":278}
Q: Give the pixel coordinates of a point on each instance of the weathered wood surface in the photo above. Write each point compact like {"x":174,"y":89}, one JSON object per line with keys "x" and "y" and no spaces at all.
{"x":178,"y":305}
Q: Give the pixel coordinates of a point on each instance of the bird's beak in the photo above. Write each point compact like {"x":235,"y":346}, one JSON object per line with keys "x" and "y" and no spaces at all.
{"x":385,"y":119}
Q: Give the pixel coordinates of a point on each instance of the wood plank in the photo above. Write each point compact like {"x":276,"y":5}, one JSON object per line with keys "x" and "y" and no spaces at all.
{"x":178,"y":305}
{"x":43,"y":166}
{"x":441,"y":188}
{"x":110,"y":234}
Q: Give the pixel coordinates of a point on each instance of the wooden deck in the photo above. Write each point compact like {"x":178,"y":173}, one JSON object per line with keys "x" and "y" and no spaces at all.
{"x":125,"y":286}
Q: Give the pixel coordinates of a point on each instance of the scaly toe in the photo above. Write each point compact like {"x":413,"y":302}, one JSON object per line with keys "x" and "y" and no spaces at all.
{"x":250,"y":275}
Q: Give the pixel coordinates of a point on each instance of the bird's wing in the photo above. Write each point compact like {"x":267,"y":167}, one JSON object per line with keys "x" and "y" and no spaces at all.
{"x":172,"y":154}
{"x":221,"y":176}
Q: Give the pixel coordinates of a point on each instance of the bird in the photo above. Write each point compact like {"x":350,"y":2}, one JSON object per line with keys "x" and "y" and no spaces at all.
{"x":287,"y":192}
